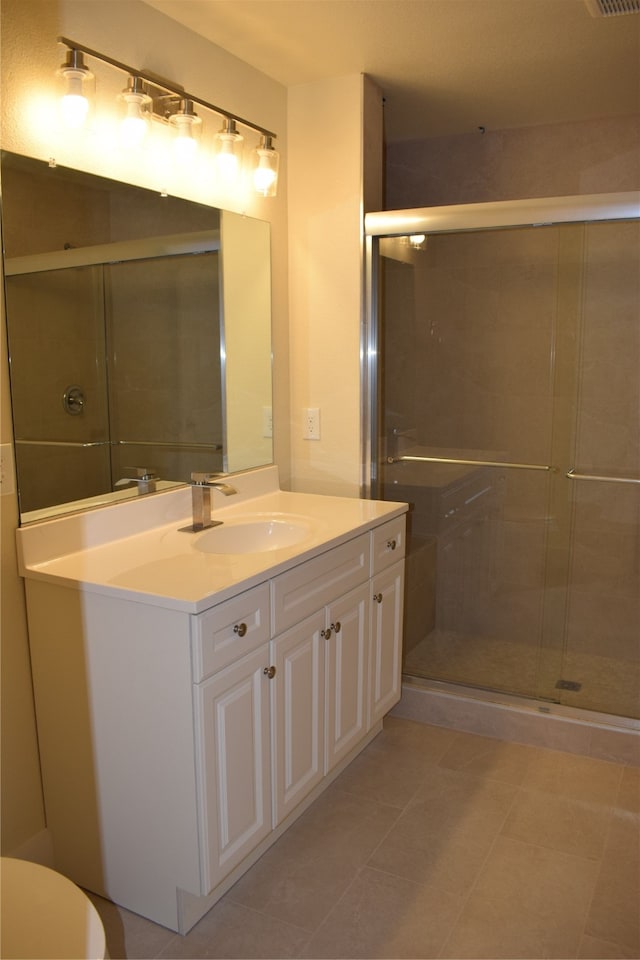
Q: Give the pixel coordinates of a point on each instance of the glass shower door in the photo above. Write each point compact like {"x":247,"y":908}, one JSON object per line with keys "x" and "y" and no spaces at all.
{"x":602,"y":642}
{"x":509,"y":406}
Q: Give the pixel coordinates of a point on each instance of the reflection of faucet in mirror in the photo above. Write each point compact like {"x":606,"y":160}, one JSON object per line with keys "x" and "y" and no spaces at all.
{"x":201,"y":484}
{"x":144,"y":478}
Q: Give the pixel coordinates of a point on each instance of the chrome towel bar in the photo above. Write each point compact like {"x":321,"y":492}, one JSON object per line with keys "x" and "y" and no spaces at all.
{"x":572,"y":475}
{"x":473,"y":463}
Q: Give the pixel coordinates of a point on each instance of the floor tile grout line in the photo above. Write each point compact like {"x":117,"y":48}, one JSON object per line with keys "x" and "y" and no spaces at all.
{"x":265,"y":913}
{"x":242,"y":906}
{"x":614,"y":808}
{"x":334,"y":907}
{"x":366,"y":864}
{"x":466,"y":897}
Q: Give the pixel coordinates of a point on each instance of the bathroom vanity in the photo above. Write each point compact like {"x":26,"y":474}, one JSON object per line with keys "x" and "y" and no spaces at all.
{"x":195,"y":692}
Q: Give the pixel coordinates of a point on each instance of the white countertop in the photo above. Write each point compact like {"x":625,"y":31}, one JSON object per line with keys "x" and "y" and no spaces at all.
{"x":135,"y":551}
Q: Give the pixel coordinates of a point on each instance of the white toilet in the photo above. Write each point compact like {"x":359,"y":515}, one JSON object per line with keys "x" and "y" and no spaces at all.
{"x":45,"y":916}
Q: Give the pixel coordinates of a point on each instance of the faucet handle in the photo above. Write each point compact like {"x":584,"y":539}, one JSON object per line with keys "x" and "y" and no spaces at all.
{"x":213,"y":480}
{"x":204,"y":478}
{"x":143,"y":473}
{"x":145,"y":477}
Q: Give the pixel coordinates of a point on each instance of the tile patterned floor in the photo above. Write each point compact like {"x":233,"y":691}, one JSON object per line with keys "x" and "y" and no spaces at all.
{"x":435,"y":843}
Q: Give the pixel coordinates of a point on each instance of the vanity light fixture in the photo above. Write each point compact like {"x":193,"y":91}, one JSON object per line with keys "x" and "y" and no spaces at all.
{"x":136,"y":112}
{"x":148,"y":97}
{"x":77,"y":86}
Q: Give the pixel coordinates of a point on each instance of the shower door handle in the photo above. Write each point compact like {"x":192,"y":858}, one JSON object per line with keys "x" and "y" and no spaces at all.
{"x":572,"y":475}
{"x":509,"y":465}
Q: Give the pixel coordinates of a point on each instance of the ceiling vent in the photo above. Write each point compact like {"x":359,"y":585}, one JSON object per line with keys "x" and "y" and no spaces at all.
{"x":612,"y":8}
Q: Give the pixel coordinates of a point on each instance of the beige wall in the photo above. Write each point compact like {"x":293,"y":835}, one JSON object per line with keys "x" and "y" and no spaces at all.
{"x":333,"y":126}
{"x":133,"y":33}
{"x":553,"y":160}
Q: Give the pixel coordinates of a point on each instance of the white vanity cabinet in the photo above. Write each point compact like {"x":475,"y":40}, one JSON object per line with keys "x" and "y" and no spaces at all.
{"x":176,"y":745}
{"x":312,"y":687}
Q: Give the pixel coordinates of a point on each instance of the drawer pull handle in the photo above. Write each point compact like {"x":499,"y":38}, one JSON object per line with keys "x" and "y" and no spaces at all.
{"x":269,"y":672}
{"x":240,"y":629}
{"x":326,"y":633}
{"x":377,"y":597}
{"x":391,"y":544}
{"x":337,"y":626}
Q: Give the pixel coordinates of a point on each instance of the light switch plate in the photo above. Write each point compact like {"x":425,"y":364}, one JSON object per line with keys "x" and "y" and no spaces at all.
{"x":311,"y":423}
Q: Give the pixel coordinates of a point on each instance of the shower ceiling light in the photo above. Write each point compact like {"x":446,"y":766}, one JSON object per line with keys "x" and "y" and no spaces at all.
{"x":418,"y":241}
{"x":147,"y":97}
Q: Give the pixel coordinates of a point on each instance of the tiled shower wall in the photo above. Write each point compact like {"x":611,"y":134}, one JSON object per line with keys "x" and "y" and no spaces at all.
{"x":554,"y":160}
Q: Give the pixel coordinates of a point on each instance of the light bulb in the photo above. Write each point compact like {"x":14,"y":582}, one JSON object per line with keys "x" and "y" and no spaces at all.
{"x":265,"y":171}
{"x":76,"y":89}
{"x":186,"y":126}
{"x":228,"y":152}
{"x":74,"y":109}
{"x":136,"y":105}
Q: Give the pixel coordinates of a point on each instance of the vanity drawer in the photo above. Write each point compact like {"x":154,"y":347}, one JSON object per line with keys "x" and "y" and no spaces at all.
{"x":388,"y":544}
{"x":229,"y":630}
{"x":298,"y":593}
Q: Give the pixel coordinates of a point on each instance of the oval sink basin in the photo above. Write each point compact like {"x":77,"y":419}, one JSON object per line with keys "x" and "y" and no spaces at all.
{"x":252,"y":536}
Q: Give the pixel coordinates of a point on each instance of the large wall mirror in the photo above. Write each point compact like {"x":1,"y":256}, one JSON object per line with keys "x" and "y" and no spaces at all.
{"x":139,"y":334}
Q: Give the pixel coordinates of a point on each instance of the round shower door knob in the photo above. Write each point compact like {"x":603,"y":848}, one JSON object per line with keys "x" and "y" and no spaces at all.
{"x":73,"y":401}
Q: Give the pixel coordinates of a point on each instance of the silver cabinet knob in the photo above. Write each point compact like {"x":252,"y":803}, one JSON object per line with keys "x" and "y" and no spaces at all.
{"x":269,"y":672}
{"x":240,"y":629}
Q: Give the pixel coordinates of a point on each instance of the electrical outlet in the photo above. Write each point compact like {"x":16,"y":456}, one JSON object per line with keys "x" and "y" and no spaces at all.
{"x":311,"y":427}
{"x":7,"y":475}
{"x":267,"y":422}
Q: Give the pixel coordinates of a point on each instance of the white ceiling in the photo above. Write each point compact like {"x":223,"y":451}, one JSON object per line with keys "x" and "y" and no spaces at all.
{"x":444,"y":66}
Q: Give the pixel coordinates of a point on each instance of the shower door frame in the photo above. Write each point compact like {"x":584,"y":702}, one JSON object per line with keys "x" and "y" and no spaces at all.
{"x":456,"y":219}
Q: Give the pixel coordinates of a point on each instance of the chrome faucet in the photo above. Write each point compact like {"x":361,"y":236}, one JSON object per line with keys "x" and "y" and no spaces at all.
{"x":145,"y":478}
{"x":201,"y":484}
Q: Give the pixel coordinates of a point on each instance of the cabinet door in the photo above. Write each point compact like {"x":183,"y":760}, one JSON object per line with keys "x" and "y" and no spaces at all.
{"x":387,"y":593}
{"x":297,"y":713}
{"x":234,"y":769}
{"x":347,"y":673}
